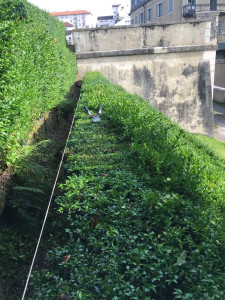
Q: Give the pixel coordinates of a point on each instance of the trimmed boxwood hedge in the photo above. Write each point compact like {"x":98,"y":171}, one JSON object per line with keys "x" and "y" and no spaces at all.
{"x":141,"y":214}
{"x":36,"y":71}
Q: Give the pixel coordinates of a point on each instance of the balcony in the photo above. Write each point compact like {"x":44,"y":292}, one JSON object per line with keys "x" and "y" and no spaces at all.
{"x":190,"y":10}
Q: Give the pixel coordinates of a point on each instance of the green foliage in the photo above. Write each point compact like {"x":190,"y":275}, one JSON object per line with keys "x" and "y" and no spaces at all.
{"x":36,"y":71}
{"x":33,"y":169}
{"x":213,"y":143}
{"x":25,"y":201}
{"x":142,"y":210}
{"x":34,"y":175}
{"x":16,"y":250}
{"x":176,"y":159}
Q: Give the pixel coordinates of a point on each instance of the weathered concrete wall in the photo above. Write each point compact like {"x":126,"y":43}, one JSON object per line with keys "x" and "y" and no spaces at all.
{"x":170,"y":66}
{"x":144,"y":36}
{"x":172,"y":87}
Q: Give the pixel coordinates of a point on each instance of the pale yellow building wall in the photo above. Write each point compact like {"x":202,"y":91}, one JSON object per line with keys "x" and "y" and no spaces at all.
{"x":177,"y":15}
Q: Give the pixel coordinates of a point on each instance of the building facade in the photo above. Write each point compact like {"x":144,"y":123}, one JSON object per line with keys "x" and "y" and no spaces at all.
{"x":105,"y":21}
{"x":171,"y":11}
{"x":69,"y":29}
{"x":120,"y":15}
{"x":124,"y":22}
{"x":78,"y":18}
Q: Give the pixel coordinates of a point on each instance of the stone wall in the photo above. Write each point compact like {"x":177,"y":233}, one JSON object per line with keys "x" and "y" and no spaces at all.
{"x":171,"y":66}
{"x":144,"y":36}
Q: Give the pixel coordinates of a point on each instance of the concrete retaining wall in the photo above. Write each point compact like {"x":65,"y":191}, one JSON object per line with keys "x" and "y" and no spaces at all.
{"x":171,"y":66}
{"x":144,"y":36}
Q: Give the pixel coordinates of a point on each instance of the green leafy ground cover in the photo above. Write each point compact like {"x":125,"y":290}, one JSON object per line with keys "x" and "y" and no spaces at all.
{"x":141,"y":215}
{"x":36,"y":71}
{"x":217,"y":146}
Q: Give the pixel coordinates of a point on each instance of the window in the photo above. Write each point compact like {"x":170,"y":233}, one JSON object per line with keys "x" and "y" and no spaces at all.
{"x":136,"y":21}
{"x":149,"y":15}
{"x":170,"y":6}
{"x":213,"y":4}
{"x":141,"y":18}
{"x":159,"y":10}
{"x":132,"y":22}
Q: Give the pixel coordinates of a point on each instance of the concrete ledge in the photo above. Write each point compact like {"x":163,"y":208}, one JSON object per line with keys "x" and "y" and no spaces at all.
{"x":219,"y":94}
{"x":155,"y":50}
{"x":151,"y":25}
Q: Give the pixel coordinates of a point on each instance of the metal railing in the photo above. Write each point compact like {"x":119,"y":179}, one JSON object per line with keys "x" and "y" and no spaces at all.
{"x":207,"y":7}
{"x":190,"y":10}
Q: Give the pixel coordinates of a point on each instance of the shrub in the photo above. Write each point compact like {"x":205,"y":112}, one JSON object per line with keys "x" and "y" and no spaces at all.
{"x":175,"y":158}
{"x":141,"y":213}
{"x":36,"y":71}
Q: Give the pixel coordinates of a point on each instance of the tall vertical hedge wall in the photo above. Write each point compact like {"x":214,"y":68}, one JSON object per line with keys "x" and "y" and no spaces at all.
{"x":36,"y":71}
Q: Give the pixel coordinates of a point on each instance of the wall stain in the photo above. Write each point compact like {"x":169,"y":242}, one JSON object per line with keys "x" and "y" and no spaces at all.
{"x":204,"y":83}
{"x":179,"y":112}
{"x":188,"y":71}
{"x":161,"y":43}
{"x":164,"y":92}
{"x":143,"y":79}
{"x":145,"y":38}
{"x":93,"y":40}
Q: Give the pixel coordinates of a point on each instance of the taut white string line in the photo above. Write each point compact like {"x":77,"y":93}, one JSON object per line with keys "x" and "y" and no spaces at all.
{"x":47,"y":211}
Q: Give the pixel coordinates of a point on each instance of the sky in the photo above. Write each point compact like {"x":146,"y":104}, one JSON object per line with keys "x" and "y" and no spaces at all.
{"x":96,"y":7}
